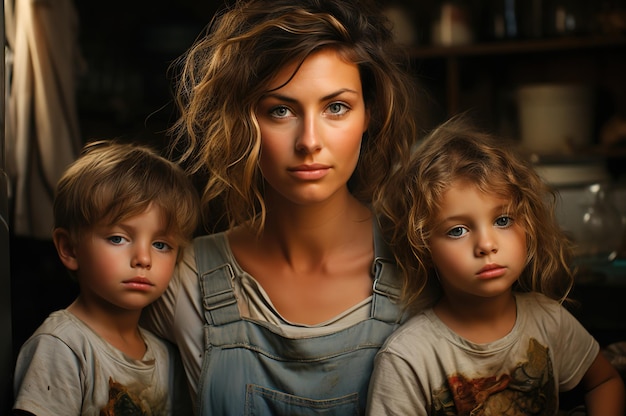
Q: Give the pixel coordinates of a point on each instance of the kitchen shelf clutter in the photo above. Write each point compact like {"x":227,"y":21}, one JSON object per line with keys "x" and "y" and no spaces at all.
{"x":475,"y":56}
{"x":502,"y":65}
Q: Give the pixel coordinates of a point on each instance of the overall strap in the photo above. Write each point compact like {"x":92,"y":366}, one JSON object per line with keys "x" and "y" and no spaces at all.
{"x":216,"y":274}
{"x":387,"y":284}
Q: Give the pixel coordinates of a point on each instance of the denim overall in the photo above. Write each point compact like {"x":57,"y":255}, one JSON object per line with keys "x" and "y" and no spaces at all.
{"x":250,"y":369}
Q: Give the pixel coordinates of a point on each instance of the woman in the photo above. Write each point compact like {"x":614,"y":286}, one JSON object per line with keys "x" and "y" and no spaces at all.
{"x":295,"y":112}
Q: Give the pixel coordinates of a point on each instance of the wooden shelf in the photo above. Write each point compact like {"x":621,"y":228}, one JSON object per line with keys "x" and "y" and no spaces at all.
{"x":519,"y":47}
{"x":454,"y":56}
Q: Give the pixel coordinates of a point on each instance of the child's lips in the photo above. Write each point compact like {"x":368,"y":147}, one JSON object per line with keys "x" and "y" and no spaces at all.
{"x":491,"y":271}
{"x":138,"y":283}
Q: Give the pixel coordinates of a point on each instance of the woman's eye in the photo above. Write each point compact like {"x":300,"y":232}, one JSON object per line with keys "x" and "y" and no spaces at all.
{"x":280,"y":112}
{"x":457,"y":232}
{"x":504,"y":221}
{"x":337,"y":109}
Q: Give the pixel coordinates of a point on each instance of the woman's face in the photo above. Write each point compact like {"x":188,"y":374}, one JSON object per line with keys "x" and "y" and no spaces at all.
{"x":311,"y":126}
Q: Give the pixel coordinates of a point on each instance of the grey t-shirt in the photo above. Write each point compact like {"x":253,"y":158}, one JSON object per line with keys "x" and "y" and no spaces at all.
{"x":427,"y":369}
{"x":65,"y":368}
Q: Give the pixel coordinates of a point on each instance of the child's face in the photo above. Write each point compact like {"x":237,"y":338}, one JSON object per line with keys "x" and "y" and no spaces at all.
{"x":127,"y":265}
{"x":477,"y":246}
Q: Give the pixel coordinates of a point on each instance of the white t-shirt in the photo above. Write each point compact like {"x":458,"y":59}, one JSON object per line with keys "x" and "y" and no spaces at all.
{"x":424,"y":368}
{"x":65,"y":368}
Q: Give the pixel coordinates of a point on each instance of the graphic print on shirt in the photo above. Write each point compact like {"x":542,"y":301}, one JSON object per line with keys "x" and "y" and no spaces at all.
{"x":529,"y":389}
{"x":122,"y":402}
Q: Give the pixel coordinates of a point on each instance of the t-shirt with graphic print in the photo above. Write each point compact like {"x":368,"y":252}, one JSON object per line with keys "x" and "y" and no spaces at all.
{"x":65,"y":368}
{"x":427,"y":369}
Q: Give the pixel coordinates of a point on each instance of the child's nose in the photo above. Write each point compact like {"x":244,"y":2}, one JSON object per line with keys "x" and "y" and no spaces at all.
{"x":486,"y":245}
{"x":142,"y":258}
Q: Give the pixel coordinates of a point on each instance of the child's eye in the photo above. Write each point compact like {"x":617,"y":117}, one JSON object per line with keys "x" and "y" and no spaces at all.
{"x":457,"y":232}
{"x":116,"y":239}
{"x":161,"y":246}
{"x":504,"y":221}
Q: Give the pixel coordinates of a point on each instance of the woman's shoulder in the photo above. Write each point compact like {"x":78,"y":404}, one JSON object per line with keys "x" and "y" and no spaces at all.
{"x":211,"y":249}
{"x":215,"y":239}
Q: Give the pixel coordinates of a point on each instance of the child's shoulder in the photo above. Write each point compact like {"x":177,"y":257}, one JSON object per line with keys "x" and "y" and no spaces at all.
{"x":534,"y":299}
{"x":59,"y":323}
{"x":537,"y":309}
{"x":416,"y":329}
{"x":61,"y":329}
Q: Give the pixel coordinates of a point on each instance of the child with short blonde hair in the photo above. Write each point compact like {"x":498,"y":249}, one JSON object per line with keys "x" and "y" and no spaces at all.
{"x":122,"y":215}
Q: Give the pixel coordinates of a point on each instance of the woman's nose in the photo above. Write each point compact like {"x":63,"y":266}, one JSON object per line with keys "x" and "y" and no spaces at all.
{"x":309,"y":139}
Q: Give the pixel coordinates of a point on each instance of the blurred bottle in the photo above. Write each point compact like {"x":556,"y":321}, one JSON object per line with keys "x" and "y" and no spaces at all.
{"x":568,"y":17}
{"x":517,"y":19}
{"x":602,"y":226}
{"x":452,"y":24}
{"x":504,"y":19}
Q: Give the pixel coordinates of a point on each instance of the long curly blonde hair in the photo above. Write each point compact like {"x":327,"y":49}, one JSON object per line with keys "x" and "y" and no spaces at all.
{"x":457,"y":150}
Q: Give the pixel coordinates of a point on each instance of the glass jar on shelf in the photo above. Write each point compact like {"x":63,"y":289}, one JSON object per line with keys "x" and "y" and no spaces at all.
{"x":602,"y":225}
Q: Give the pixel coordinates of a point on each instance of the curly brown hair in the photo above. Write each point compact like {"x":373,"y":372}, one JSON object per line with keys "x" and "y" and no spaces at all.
{"x":458,"y":150}
{"x":227,"y":71}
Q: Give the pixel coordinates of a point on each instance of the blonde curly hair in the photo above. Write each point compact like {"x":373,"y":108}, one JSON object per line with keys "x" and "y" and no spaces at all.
{"x":458,"y":150}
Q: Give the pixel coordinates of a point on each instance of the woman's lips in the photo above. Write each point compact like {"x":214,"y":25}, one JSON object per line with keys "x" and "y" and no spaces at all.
{"x":309,"y":172}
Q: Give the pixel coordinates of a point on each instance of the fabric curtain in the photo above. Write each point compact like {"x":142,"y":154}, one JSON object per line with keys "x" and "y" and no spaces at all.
{"x":42,"y":131}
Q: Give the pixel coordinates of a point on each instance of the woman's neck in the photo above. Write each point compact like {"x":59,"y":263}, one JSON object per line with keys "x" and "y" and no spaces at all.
{"x":313,"y":262}
{"x":315,"y":228}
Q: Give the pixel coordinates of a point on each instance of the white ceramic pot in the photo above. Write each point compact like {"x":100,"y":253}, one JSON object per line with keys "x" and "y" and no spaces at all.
{"x":555,"y":118}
